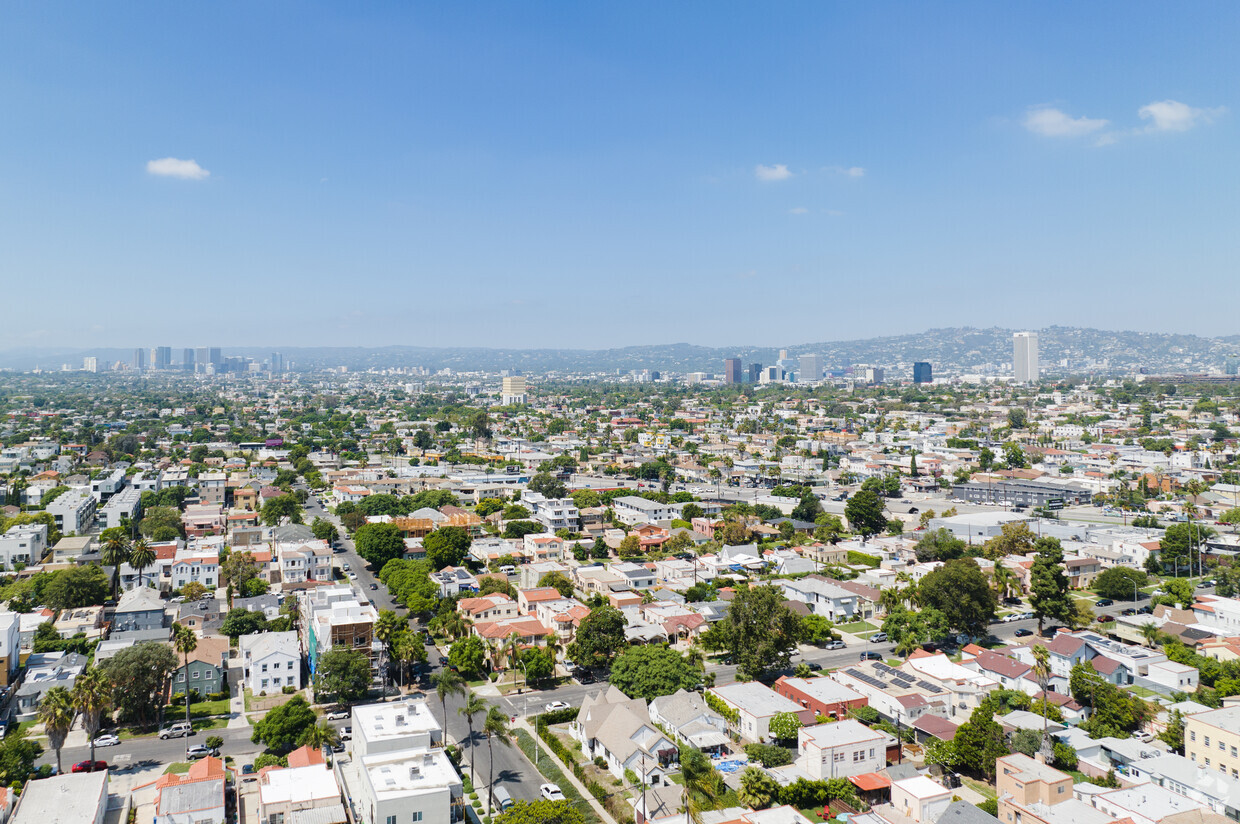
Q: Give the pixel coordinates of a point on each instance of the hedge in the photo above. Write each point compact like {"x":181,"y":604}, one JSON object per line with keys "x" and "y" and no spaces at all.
{"x":614,"y":804}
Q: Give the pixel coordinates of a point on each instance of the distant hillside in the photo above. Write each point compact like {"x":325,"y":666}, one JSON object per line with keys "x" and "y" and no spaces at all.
{"x":950,"y":350}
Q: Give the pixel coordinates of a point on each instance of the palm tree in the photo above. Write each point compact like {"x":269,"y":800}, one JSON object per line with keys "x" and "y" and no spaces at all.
{"x":473,"y":706}
{"x":1003,"y":578}
{"x":447,"y":682}
{"x":701,"y":786}
{"x":141,"y":556}
{"x":511,"y":650}
{"x":92,"y":694}
{"x":1150,"y":633}
{"x":319,"y":736}
{"x":403,"y":651}
{"x":56,"y":713}
{"x":292,"y":608}
{"x":185,"y":642}
{"x":114,"y":553}
{"x":1042,"y":673}
{"x":495,"y":727}
{"x":386,"y":629}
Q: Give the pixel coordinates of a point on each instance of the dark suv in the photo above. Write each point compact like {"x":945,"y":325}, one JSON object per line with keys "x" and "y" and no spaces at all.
{"x":871,"y":656}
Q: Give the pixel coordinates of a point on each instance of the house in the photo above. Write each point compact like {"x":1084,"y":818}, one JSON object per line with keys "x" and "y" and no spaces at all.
{"x":207,"y":668}
{"x":304,"y":793}
{"x":76,"y":798}
{"x":689,"y":720}
{"x":270,"y":661}
{"x":1008,"y":672}
{"x":631,"y":509}
{"x":822,"y":695}
{"x":10,"y":646}
{"x":303,"y":561}
{"x":1031,"y":791}
{"x":87,"y":621}
{"x":45,"y":670}
{"x":824,"y":598}
{"x":201,"y":566}
{"x":24,"y":544}
{"x":920,"y":799}
{"x":755,"y":705}
{"x":454,"y":580}
{"x":893,"y":694}
{"x":529,"y":599}
{"x":637,"y":576}
{"x":493,"y":607}
{"x":193,"y":798}
{"x":542,"y":547}
{"x":334,"y":617}
{"x":70,"y":548}
{"x":840,"y":749}
{"x":618,"y":729}
{"x":140,"y":616}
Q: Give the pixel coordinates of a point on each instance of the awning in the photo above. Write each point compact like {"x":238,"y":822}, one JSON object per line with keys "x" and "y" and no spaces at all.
{"x":707,"y":738}
{"x":869,"y":782}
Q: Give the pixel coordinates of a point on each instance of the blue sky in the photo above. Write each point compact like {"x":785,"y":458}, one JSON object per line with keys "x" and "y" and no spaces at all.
{"x":593,"y":174}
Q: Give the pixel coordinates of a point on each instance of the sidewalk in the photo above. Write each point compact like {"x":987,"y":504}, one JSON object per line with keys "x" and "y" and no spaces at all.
{"x":541,"y":747}
{"x":236,"y":709}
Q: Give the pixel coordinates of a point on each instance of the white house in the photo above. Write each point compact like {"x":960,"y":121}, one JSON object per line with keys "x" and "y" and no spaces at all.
{"x":840,"y":749}
{"x":202,"y":566}
{"x":24,"y":544}
{"x":755,"y":705}
{"x":619,"y":730}
{"x":634,"y":510}
{"x":271,"y":661}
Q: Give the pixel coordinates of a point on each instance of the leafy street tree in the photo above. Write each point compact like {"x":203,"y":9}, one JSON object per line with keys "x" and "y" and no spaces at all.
{"x":282,"y":727}
{"x":1015,"y":538}
{"x":546,"y":484}
{"x":816,"y":629}
{"x":92,"y":696}
{"x":139,"y":677}
{"x":785,"y":726}
{"x":344,"y":673}
{"x":56,"y":715}
{"x":559,"y":581}
{"x":599,"y":638}
{"x":649,"y":671}
{"x":808,"y":508}
{"x":238,"y":568}
{"x":241,"y":621}
{"x":495,"y":728}
{"x":865,"y":514}
{"x":960,"y":591}
{"x":468,"y":655}
{"x":324,"y":530}
{"x":280,"y":507}
{"x":161,"y":523}
{"x":447,"y":546}
{"x":80,"y":586}
{"x":759,"y":630}
{"x":979,"y":742}
{"x":379,"y":543}
{"x":1113,"y":712}
{"x":909,"y":629}
{"x":541,"y":811}
{"x":1117,"y":583}
{"x":1049,"y":585}
{"x":939,"y":545}
{"x":1178,"y":542}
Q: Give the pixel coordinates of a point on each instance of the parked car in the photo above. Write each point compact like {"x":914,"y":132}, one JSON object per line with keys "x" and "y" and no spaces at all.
{"x":1007,"y":619}
{"x":1129,"y":611}
{"x":346,"y":733}
{"x":556,"y":706}
{"x":107,"y":739}
{"x":374,"y":587}
{"x":197,"y":751}
{"x":248,"y":773}
{"x":1103,"y":602}
{"x":337,"y":715}
{"x":88,"y":766}
{"x":871,"y":656}
{"x":833,"y":645}
{"x":551,"y":792}
{"x":178,"y":730}
{"x":813,"y":665}
{"x":1022,"y":632}
{"x":879,"y":637}
{"x":1105,"y":619}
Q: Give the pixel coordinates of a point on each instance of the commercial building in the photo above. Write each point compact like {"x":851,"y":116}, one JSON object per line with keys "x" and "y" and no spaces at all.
{"x":187,"y":359}
{"x":77,"y":798}
{"x":74,"y":511}
{"x":755,"y":373}
{"x":162,"y":357}
{"x":514,"y":391}
{"x":1025,"y":357}
{"x":923,"y":372}
{"x":1212,"y":740}
{"x":139,"y":359}
{"x":731,"y":371}
{"x":810,"y":369}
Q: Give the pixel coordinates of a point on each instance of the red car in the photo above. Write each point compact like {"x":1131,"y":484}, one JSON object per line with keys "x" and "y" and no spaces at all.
{"x":86,"y":766}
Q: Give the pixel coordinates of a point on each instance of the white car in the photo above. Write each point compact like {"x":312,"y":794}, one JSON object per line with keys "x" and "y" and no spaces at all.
{"x":1016,"y":616}
{"x":551,"y":792}
{"x":833,"y":645}
{"x":197,"y":751}
{"x":555,"y":706}
{"x":107,"y":739}
{"x":337,"y":715}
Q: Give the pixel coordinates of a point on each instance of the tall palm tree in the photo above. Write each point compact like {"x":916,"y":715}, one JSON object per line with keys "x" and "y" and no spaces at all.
{"x":1042,"y":673}
{"x":495,"y":727}
{"x":447,"y":682}
{"x":114,"y":553}
{"x":473,"y":706}
{"x":386,"y":629}
{"x":511,"y":650}
{"x":92,"y":694}
{"x":56,"y":713}
{"x":185,"y":642}
{"x":141,"y":557}
{"x":701,"y":787}
{"x":292,"y":608}
{"x":319,"y":736}
{"x":1150,"y":633}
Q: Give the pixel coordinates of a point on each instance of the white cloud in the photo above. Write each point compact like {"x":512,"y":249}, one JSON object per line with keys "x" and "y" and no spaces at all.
{"x":175,"y":167}
{"x":847,"y":171}
{"x":1174,"y":116}
{"x":770,"y":173}
{"x":798,"y":210}
{"x":1050,"y":122}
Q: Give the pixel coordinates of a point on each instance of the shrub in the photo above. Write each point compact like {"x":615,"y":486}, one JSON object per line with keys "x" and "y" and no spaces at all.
{"x":600,"y":762}
{"x":990,"y":806}
{"x":768,"y":755}
{"x":288,"y":689}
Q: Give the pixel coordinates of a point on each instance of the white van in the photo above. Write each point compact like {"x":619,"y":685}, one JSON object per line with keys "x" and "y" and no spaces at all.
{"x":502,"y":799}
{"x":508,"y":569}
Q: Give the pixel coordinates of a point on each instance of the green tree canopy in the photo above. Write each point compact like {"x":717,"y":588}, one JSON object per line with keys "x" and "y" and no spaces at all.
{"x":468,"y":655}
{"x":447,"y":546}
{"x":1049,"y":584}
{"x":759,"y":630}
{"x":139,"y":676}
{"x":1117,"y":583}
{"x":541,"y":811}
{"x":379,"y":543}
{"x":559,"y":581}
{"x":939,"y":545}
{"x":599,"y":638}
{"x":240,"y":622}
{"x":80,"y":586}
{"x":649,"y":671}
{"x":344,"y":673}
{"x":865,"y":514}
{"x":959,"y":589}
{"x":283,"y":726}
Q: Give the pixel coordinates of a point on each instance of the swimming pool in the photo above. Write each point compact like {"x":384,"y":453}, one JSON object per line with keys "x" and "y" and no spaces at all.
{"x":729,"y":766}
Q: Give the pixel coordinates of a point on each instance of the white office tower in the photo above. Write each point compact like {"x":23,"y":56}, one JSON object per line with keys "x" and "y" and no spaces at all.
{"x":1025,"y":356}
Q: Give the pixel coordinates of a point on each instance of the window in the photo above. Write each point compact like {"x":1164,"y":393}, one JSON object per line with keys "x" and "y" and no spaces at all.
{"x":1222,"y":746}
{"x":858,"y":756}
{"x":1061,"y":789}
{"x":1207,"y":740}
{"x":1207,"y":762}
{"x":417,"y":816}
{"x":1192,"y":735}
{"x":196,"y":675}
{"x":1233,"y":752}
{"x":264,"y":683}
{"x":391,"y":819}
{"x":181,"y":676}
{"x":264,"y":667}
{"x":839,"y":756}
